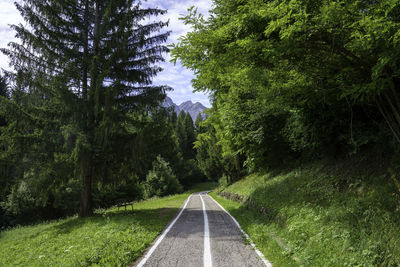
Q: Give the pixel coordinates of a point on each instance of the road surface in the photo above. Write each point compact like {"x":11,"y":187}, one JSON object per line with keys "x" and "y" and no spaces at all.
{"x":202,"y":234}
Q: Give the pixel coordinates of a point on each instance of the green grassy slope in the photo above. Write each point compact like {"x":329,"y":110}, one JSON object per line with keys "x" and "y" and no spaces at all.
{"x":320,"y":218}
{"x":110,"y":238}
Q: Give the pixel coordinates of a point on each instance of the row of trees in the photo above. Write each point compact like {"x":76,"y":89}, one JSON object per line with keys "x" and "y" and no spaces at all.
{"x":294,"y":80}
{"x":289,"y":80}
{"x":160,"y":160}
{"x":80,"y":120}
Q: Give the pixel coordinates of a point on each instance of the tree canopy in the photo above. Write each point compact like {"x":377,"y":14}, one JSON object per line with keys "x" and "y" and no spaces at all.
{"x":81,"y":123}
{"x":295,"y":78}
{"x":83,"y":72}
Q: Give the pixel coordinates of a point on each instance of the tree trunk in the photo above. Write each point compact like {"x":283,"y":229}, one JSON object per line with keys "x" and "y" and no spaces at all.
{"x":85,"y":52}
{"x":86,"y":205}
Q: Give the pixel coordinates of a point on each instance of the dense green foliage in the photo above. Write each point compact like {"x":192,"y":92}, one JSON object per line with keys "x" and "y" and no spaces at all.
{"x":3,"y":123}
{"x":161,"y":181}
{"x":78,"y":89}
{"x":80,"y":121}
{"x":294,"y":80}
{"x":291,"y":81}
{"x":324,"y":214}
{"x":208,"y":151}
{"x":187,"y":170}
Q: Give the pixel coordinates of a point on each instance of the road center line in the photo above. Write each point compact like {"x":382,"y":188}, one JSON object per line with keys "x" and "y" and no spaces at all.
{"x":207,"y":251}
{"x":148,"y":254}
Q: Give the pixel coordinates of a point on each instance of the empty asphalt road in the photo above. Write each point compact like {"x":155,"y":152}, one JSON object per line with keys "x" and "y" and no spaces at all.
{"x":202,"y":234}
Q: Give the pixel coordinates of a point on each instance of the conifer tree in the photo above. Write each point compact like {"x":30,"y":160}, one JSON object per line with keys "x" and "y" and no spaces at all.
{"x":197,"y":123}
{"x":190,"y":137}
{"x":4,"y":168}
{"x":181,"y":132}
{"x":94,"y":62}
{"x":3,"y":93}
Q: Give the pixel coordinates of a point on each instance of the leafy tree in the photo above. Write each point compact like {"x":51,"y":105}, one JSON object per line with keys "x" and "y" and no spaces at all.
{"x":292,"y":78}
{"x":161,"y":181}
{"x":91,"y":63}
{"x":208,"y":151}
{"x":197,"y":124}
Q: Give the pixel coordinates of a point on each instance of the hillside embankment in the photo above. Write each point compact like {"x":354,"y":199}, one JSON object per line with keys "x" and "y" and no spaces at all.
{"x":342,"y":213}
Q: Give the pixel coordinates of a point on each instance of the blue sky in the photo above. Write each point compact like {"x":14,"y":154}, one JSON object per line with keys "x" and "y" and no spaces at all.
{"x":175,"y":76}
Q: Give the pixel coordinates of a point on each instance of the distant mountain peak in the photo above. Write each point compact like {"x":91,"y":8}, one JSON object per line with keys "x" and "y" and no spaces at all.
{"x":168,"y":102}
{"x":188,"y":106}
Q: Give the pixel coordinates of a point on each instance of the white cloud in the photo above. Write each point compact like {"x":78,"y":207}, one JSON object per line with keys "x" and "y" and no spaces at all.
{"x":173,"y":75}
{"x":9,"y":15}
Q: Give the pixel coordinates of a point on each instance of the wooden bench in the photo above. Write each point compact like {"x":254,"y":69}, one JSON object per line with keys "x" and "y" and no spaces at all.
{"x":123,"y":203}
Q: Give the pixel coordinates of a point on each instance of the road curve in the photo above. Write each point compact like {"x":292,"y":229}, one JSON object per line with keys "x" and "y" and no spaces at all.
{"x":202,"y":234}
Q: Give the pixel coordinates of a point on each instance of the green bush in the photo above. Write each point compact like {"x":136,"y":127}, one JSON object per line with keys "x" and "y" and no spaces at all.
{"x":161,"y":181}
{"x":20,"y":205}
{"x":27,"y":203}
{"x":108,"y":194}
{"x":20,"y":200}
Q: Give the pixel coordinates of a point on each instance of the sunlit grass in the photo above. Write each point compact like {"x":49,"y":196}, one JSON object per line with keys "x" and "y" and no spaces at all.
{"x":320,"y":221}
{"x":110,"y":238}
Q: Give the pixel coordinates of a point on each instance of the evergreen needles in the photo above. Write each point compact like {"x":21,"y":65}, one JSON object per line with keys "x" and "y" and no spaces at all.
{"x":81,"y":69}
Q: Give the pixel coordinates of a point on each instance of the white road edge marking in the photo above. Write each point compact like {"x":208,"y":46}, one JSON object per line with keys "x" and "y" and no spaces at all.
{"x":153,"y":248}
{"x":265,"y":261}
{"x":207,"y":250}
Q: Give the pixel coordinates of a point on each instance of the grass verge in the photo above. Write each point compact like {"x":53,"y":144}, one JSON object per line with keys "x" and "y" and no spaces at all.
{"x":320,"y":219}
{"x":255,"y":227}
{"x":110,"y":238}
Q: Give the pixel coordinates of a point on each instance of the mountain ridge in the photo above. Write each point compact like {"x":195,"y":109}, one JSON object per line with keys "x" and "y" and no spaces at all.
{"x":188,"y":106}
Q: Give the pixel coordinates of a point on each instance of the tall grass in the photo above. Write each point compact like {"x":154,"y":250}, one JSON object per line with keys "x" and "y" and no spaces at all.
{"x":322,"y":218}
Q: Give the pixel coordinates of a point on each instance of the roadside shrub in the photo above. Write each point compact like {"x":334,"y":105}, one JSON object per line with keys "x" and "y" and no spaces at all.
{"x":4,"y":219}
{"x":20,"y":204}
{"x":128,"y":189}
{"x":161,"y":181}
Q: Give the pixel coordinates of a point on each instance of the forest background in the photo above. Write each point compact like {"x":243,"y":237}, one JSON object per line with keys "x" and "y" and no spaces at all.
{"x":290,"y":82}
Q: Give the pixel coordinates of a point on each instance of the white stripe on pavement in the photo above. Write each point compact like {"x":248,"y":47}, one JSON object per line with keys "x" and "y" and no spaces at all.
{"x":148,"y":254}
{"x":207,"y":251}
{"x":265,"y":261}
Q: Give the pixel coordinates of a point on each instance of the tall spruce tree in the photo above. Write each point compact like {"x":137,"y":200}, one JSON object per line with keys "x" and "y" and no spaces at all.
{"x":190,"y":136}
{"x":94,"y":61}
{"x":3,"y":93}
{"x":3,"y":123}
